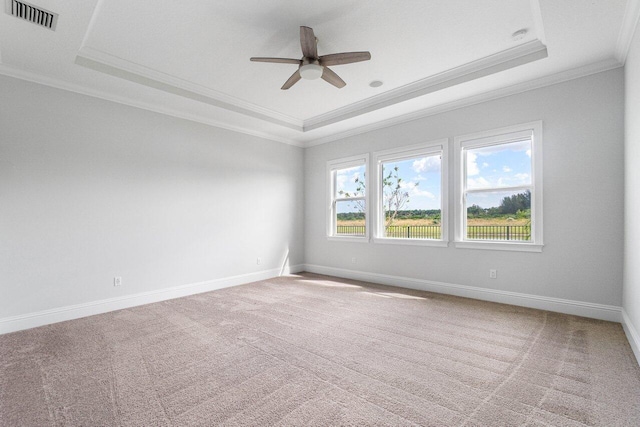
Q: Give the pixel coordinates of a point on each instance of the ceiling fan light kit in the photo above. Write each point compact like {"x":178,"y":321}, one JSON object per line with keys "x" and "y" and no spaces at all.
{"x":311,"y":71}
{"x":312,"y":66}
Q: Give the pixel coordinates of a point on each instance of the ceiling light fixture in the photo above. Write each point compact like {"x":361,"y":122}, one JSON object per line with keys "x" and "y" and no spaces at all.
{"x":311,"y":71}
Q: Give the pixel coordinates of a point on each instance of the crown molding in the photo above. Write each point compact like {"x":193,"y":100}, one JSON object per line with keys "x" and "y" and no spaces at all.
{"x":71,"y":87}
{"x":509,"y":58}
{"x":403,"y":118}
{"x":112,"y":65}
{"x":627,"y":30}
{"x":118,"y":67}
{"x":553,"y":79}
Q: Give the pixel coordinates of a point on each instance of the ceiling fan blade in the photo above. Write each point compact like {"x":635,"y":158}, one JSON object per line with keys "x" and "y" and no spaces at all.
{"x":344,"y":58}
{"x":295,"y":78}
{"x":333,"y":78}
{"x":308,"y":42}
{"x":277,"y":60}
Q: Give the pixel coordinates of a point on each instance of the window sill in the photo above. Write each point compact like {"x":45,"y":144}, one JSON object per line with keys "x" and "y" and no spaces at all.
{"x":500,"y":246}
{"x":348,"y":239}
{"x":412,"y":242}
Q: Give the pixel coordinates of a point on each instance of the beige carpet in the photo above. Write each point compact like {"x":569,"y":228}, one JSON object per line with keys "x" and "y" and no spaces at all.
{"x":315,"y":350}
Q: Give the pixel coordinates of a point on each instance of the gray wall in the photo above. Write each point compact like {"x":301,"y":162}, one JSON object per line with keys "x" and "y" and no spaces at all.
{"x":631,"y":300}
{"x":91,"y":189}
{"x":583,"y":196}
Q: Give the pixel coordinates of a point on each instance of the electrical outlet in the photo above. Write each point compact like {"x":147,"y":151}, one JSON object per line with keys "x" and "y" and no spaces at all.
{"x":353,"y":260}
{"x":117,"y":281}
{"x":258,"y":260}
{"x":493,"y":274}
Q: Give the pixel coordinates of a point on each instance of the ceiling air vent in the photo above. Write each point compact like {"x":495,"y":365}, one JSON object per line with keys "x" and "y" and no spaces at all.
{"x":32,"y":13}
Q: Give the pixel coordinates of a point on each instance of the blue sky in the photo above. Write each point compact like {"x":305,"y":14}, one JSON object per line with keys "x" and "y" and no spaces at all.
{"x":505,"y":165}
{"x":421,"y":178}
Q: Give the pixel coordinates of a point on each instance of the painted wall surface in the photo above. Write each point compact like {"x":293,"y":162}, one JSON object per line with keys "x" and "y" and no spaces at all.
{"x":583,"y":196}
{"x":631,"y":299}
{"x":91,"y":189}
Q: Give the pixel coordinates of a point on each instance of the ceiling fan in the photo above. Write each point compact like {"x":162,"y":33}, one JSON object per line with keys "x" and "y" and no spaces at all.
{"x":312,"y":66}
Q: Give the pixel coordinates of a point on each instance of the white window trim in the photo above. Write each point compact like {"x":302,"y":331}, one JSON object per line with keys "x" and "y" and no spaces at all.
{"x":493,"y":137}
{"x":344,"y":163}
{"x":440,"y":146}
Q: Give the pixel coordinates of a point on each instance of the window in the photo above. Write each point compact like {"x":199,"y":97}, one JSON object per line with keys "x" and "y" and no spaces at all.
{"x":411,"y":195}
{"x":499,"y":191}
{"x":347,"y":199}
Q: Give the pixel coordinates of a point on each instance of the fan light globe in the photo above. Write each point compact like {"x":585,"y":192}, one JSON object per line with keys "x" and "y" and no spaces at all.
{"x":311,"y":71}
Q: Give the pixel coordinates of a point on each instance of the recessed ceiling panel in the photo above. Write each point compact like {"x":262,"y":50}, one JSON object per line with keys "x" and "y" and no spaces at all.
{"x":205,"y":46}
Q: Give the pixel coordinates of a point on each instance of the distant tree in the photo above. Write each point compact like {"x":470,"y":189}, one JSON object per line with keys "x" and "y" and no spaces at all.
{"x":475,"y":211}
{"x":358,"y":192}
{"x":394,"y":195}
{"x":516,"y":202}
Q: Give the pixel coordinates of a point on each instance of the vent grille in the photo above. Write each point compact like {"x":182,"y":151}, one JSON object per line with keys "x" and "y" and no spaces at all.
{"x":31,"y":13}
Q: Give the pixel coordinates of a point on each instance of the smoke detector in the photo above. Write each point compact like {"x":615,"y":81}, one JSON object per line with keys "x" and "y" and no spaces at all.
{"x":519,"y":35}
{"x":34,"y":14}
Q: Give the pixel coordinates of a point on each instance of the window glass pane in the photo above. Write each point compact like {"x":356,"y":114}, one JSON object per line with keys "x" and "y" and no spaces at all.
{"x":350,"y":182}
{"x":350,"y":218}
{"x":411,"y":198}
{"x":504,"y":165}
{"x":499,"y":215}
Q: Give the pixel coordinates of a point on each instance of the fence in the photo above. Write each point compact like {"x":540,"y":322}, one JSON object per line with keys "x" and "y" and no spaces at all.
{"x":474,"y":232}
{"x":499,"y":232}
{"x":413,"y":231}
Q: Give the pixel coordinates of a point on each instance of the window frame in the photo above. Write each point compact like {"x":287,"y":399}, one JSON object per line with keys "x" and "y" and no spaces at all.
{"x":332,"y":167}
{"x":439,"y":146}
{"x":532,"y":130}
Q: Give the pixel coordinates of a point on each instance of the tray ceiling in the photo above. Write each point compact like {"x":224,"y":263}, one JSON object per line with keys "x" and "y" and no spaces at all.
{"x":191,"y":58}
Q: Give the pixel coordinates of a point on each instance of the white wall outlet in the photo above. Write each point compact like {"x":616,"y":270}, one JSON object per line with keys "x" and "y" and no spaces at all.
{"x":117,"y":281}
{"x":353,"y":260}
{"x":493,"y":274}
{"x":258,"y":260}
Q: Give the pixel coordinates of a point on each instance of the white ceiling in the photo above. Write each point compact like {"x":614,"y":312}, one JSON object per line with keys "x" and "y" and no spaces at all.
{"x":191,"y":58}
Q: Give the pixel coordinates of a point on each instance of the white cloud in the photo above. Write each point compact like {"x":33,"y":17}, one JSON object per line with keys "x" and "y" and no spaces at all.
{"x":479,"y":182}
{"x":529,"y":152}
{"x":341,"y":180}
{"x":424,"y":193}
{"x":506,"y":169}
{"x":414,"y":190}
{"x":472,"y":166}
{"x":485,"y":165}
{"x":419,"y":178}
{"x":517,"y":179}
{"x":427,"y":164}
{"x":345,"y":178}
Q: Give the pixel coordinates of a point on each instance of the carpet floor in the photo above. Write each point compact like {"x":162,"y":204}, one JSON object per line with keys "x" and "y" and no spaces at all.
{"x":316,"y":350}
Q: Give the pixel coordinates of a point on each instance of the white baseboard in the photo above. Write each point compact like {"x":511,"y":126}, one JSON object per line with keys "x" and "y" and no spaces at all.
{"x":632,"y":334}
{"x":60,"y":314}
{"x":577,"y":308}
